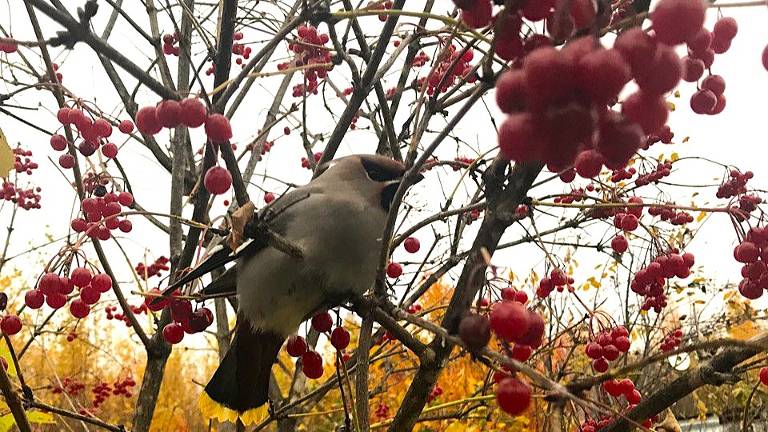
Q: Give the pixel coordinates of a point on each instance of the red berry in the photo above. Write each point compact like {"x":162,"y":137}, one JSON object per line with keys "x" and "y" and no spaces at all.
{"x":764,"y":375}
{"x":549,"y":77}
{"x":479,"y":15}
{"x":102,"y":128}
{"x":322,"y":322}
{"x":521,"y":352}
{"x":173,"y":333}
{"x":79,"y":309}
{"x":296,"y":346}
{"x":594,"y":350}
{"x":619,"y":244}
{"x":475,"y":331}
{"x":765,"y":57}
{"x":535,"y":334}
{"x":746,"y":252}
{"x":217,"y":180}
{"x":516,"y":139}
{"x":125,"y":199}
{"x":217,"y":128}
{"x":10,"y":325}
{"x":600,"y":365}
{"x":663,"y":73}
{"x":634,"y":397}
{"x":58,"y":142}
{"x":269,"y":197}
{"x":102,"y":282}
{"x":56,"y":301}
{"x":701,"y":41}
{"x":312,"y":364}
{"x":714,"y":83}
{"x":602,"y":74}
{"x":109,"y":150}
{"x":81,"y":276}
{"x":619,"y":139}
{"x":340,"y":338}
{"x":725,"y":28}
{"x":125,"y":126}
{"x":638,"y":49}
{"x":513,"y":396}
{"x":693,"y":69}
{"x":648,"y":110}
{"x":192,"y":113}
{"x":90,"y":295}
{"x":34,"y":299}
{"x":677,"y":21}
{"x":588,"y":163}
{"x":125,"y":226}
{"x":509,"y":320}
{"x":412,"y":244}
{"x":394,"y":270}
{"x":537,"y":10}
{"x":703,"y":101}
{"x":510,"y":91}
{"x":168,"y":113}
{"x":67,"y":161}
{"x":147,"y":121}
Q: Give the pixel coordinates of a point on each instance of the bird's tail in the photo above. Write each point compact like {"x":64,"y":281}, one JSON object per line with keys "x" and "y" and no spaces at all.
{"x":238,"y":388}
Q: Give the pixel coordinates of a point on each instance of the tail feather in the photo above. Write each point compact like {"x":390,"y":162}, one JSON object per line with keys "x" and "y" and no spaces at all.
{"x":241,"y":382}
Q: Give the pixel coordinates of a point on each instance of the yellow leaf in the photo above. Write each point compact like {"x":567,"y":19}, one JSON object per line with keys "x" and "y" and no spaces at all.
{"x":671,"y":106}
{"x":6,"y":354}
{"x":674,"y":156}
{"x":6,"y":422}
{"x":6,"y":156}
{"x":685,"y":140}
{"x":701,"y":216}
{"x":40,"y":417}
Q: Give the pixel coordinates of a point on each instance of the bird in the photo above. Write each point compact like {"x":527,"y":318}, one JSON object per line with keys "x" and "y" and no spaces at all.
{"x":337,"y":221}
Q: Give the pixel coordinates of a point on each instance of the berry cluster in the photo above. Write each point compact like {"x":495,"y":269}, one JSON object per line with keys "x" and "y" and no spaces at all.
{"x":111,"y":313}
{"x":309,"y":49}
{"x":649,"y":281}
{"x":672,"y":340}
{"x":420,"y":59}
{"x":382,"y":411}
{"x":311,"y":361}
{"x":26,"y":199}
{"x":710,"y":98}
{"x":453,"y":66}
{"x":94,"y":134}
{"x":663,"y":169}
{"x":185,"y":320}
{"x":305,"y":162}
{"x":557,"y":280}
{"x":53,"y":290}
{"x":753,"y":253}
{"x":69,"y":386}
{"x":100,"y":215}
{"x":170,"y":44}
{"x":624,"y":387}
{"x":145,"y":272}
{"x":572,"y":87}
{"x":512,"y":322}
{"x":436,"y":392}
{"x":607,"y":346}
{"x":669,"y":214}
{"x":735,"y":185}
{"x":622,"y":174}
{"x":241,"y":51}
{"x":102,"y":391}
{"x":747,"y":204}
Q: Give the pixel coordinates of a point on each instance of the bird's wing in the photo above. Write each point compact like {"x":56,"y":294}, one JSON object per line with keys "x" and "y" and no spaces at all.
{"x":277,"y":218}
